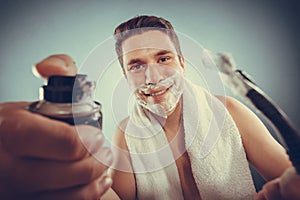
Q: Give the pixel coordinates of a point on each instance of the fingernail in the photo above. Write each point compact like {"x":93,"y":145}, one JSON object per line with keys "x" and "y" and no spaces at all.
{"x":35,"y":72}
{"x":107,"y":182}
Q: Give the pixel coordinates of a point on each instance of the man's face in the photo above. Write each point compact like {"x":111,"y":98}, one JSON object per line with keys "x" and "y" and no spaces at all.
{"x":154,"y":71}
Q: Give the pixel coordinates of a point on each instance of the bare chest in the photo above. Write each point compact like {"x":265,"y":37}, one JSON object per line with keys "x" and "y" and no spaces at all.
{"x":188,"y":185}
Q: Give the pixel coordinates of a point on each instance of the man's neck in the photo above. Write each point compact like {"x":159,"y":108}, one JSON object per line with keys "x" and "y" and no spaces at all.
{"x":172,"y":123}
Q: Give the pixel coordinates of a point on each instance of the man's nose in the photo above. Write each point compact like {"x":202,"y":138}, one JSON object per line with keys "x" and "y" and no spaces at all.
{"x":153,"y":74}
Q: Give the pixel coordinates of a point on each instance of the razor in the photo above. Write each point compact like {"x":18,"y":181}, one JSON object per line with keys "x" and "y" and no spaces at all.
{"x":242,"y":85}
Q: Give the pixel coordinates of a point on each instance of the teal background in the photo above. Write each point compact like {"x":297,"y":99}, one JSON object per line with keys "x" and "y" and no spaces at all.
{"x":261,"y":35}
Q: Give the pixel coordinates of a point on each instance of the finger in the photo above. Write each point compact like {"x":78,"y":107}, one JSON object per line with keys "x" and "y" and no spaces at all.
{"x":260,"y":196}
{"x":7,"y":107}
{"x":93,"y":190}
{"x":27,"y":134}
{"x":59,"y":64}
{"x":290,"y":184}
{"x":271,"y":190}
{"x":51,"y":175}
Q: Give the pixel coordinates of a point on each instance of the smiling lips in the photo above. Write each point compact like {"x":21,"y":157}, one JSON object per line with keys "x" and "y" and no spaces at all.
{"x":154,"y":93}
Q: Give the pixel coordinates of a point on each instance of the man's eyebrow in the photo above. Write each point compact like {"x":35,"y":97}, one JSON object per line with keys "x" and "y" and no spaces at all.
{"x":163,"y":52}
{"x":137,"y":60}
{"x":133,"y":61}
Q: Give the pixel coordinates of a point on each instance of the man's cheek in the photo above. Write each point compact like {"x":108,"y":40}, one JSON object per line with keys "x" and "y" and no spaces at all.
{"x":171,"y":70}
{"x":135,"y":83}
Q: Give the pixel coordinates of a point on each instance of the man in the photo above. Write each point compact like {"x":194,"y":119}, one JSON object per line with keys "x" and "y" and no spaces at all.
{"x":145,"y":54}
{"x":25,"y":135}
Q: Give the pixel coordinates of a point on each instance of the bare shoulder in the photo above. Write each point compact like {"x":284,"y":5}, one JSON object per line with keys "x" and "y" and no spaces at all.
{"x":119,"y":135}
{"x":240,"y":113}
{"x":230,"y":103}
{"x":247,"y":122}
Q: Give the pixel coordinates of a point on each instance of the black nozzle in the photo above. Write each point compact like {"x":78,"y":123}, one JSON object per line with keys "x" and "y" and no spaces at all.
{"x":65,"y":89}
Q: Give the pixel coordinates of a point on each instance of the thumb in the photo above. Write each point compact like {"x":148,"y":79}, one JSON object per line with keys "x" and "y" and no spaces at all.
{"x":59,"y":64}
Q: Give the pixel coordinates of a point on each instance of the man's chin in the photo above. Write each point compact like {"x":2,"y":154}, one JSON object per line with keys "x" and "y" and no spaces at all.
{"x":162,"y":110}
{"x":162,"y":107}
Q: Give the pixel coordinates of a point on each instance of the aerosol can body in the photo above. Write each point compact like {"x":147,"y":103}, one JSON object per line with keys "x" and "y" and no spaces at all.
{"x":69,"y":99}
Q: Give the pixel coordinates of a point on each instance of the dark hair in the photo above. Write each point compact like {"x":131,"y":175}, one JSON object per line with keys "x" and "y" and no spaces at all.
{"x":140,"y":24}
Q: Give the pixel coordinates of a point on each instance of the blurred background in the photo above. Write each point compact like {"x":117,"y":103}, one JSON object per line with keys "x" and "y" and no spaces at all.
{"x":261,"y":35}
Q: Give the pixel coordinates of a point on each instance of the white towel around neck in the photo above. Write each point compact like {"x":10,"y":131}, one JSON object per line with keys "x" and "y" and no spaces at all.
{"x":218,"y":159}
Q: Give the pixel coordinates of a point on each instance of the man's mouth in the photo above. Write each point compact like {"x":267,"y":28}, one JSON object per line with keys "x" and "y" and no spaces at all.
{"x":154,"y":93}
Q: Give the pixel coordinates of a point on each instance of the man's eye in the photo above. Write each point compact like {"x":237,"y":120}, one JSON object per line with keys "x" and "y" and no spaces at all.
{"x":164,"y":59}
{"x":136,"y":68}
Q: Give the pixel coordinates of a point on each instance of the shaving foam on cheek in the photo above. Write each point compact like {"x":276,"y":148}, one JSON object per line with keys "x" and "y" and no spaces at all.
{"x":173,"y":87}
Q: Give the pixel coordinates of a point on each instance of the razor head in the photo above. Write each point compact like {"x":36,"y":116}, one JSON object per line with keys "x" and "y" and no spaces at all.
{"x":223,"y":61}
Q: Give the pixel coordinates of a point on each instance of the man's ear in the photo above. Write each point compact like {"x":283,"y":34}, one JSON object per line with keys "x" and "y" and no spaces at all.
{"x":124,"y":73}
{"x":181,"y":60}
